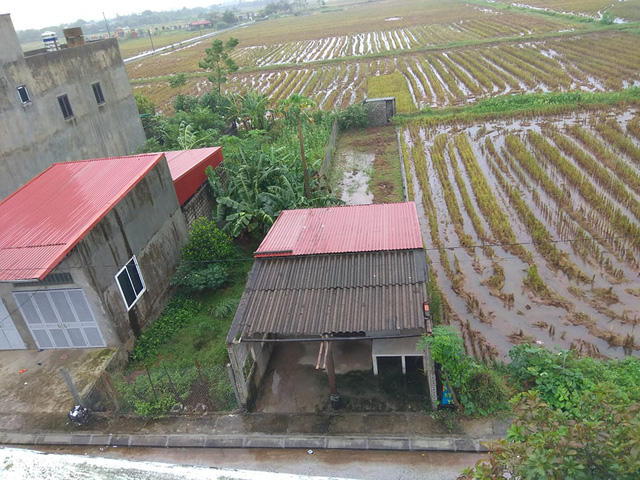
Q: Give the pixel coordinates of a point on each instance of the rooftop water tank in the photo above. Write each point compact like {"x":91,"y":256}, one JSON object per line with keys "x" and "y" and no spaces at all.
{"x":50,"y":40}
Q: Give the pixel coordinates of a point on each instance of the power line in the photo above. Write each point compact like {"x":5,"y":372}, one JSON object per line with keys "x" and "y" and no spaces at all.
{"x":240,"y":259}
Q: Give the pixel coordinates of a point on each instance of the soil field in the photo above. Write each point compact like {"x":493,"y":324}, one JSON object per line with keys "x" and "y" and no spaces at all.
{"x":365,"y":168}
{"x":453,"y":76}
{"x":628,"y":10}
{"x":533,"y":229}
{"x":448,"y":52}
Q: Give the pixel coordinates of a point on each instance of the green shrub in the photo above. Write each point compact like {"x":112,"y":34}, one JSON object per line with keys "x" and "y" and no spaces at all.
{"x":561,"y":379}
{"x":174,"y":317}
{"x":197,"y":279}
{"x":354,"y":116}
{"x":177,"y":80}
{"x":485,"y":393}
{"x":557,"y":378}
{"x":479,"y":390}
{"x":546,"y":443}
{"x":207,"y":243}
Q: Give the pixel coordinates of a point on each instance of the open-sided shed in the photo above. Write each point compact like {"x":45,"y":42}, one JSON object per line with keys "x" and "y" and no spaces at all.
{"x":325,"y":275}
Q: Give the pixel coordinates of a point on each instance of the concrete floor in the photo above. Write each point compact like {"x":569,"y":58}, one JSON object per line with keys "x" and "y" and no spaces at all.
{"x":41,"y":388}
{"x":292,"y":383}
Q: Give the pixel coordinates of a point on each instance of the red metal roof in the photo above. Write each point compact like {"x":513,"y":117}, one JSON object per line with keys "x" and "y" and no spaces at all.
{"x":359,"y":228}
{"x":188,"y":169}
{"x":42,"y":221}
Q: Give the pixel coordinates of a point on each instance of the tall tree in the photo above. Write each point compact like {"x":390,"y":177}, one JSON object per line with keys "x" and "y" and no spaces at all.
{"x":218,"y":61}
{"x":297,"y":108}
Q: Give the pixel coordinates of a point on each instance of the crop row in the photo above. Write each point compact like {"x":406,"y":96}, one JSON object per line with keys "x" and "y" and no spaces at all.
{"x":536,"y":228}
{"x":620,"y":222}
{"x":459,"y":76}
{"x":454,"y":273}
{"x":456,"y":76}
{"x":536,"y":168}
{"x":387,"y":40}
{"x":546,"y":179}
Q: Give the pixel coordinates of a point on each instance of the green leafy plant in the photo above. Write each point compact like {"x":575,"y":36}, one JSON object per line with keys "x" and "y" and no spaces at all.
{"x":478,"y":389}
{"x":544,"y":442}
{"x":207,"y":243}
{"x":177,"y":80}
{"x":201,"y":266}
{"x":354,"y":116}
{"x":198,"y":279}
{"x":174,"y":317}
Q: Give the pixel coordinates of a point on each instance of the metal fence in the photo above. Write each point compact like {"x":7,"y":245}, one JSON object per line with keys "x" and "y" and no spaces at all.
{"x":160,"y":391}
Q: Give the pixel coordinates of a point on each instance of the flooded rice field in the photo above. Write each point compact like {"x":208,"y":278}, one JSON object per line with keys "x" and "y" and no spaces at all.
{"x":532,"y":228}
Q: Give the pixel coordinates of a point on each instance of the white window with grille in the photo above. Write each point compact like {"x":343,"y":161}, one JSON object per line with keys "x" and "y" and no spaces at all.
{"x":59,"y":318}
{"x":131,"y":283}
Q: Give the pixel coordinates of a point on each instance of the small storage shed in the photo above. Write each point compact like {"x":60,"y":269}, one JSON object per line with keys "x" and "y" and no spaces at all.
{"x":347,"y":274}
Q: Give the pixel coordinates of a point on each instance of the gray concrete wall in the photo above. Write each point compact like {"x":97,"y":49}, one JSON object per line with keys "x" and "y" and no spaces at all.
{"x":35,"y":135}
{"x":147,"y":223}
{"x":11,"y":49}
{"x":246,"y":388}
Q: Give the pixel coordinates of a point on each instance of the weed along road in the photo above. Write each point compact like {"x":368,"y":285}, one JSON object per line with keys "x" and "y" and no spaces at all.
{"x":370,"y":465}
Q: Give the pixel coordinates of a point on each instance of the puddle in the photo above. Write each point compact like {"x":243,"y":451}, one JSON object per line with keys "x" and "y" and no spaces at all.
{"x":354,"y":186}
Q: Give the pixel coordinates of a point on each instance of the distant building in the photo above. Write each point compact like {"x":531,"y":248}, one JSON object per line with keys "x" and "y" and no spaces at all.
{"x":200,"y":25}
{"x":67,"y":104}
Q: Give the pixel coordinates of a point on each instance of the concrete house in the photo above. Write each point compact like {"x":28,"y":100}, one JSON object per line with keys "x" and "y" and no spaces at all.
{"x":62,"y":105}
{"x":351,"y":281}
{"x":88,"y":248}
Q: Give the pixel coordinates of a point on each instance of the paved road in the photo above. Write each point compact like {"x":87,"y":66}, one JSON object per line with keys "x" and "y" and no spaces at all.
{"x":182,"y":43}
{"x":350,"y":464}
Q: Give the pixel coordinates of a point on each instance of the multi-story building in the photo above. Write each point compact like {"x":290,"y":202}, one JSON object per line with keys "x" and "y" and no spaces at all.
{"x":67,"y":104}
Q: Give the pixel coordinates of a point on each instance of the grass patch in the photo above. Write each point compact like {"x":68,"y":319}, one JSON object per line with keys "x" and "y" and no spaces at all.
{"x":135,"y":46}
{"x":188,"y":371}
{"x":525,"y":105}
{"x":392,"y":85}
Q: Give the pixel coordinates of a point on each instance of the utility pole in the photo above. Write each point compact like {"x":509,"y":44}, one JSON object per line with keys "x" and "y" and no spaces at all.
{"x":106,"y":24}
{"x":151,"y":38}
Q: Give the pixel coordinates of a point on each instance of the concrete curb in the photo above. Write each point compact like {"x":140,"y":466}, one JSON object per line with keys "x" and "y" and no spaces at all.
{"x":450,"y":444}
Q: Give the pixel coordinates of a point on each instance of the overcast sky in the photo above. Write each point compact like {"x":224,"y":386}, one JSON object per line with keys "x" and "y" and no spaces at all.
{"x":37,"y":14}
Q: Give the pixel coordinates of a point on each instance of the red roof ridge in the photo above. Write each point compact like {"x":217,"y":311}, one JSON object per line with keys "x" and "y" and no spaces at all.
{"x":343,"y":229}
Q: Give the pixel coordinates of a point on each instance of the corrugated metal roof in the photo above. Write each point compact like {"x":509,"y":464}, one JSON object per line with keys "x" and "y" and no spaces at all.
{"x":312,"y":295}
{"x":42,"y":221}
{"x":188,"y":167}
{"x":352,"y":270}
{"x":358,"y":228}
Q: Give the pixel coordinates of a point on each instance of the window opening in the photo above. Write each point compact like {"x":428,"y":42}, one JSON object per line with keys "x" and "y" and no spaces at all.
{"x":24,"y":94}
{"x":131,"y":283}
{"x":65,"y":106}
{"x":97,"y":92}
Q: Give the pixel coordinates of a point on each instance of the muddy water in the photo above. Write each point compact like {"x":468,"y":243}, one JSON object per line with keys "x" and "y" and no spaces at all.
{"x":354,"y":186}
{"x":543,"y":323}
